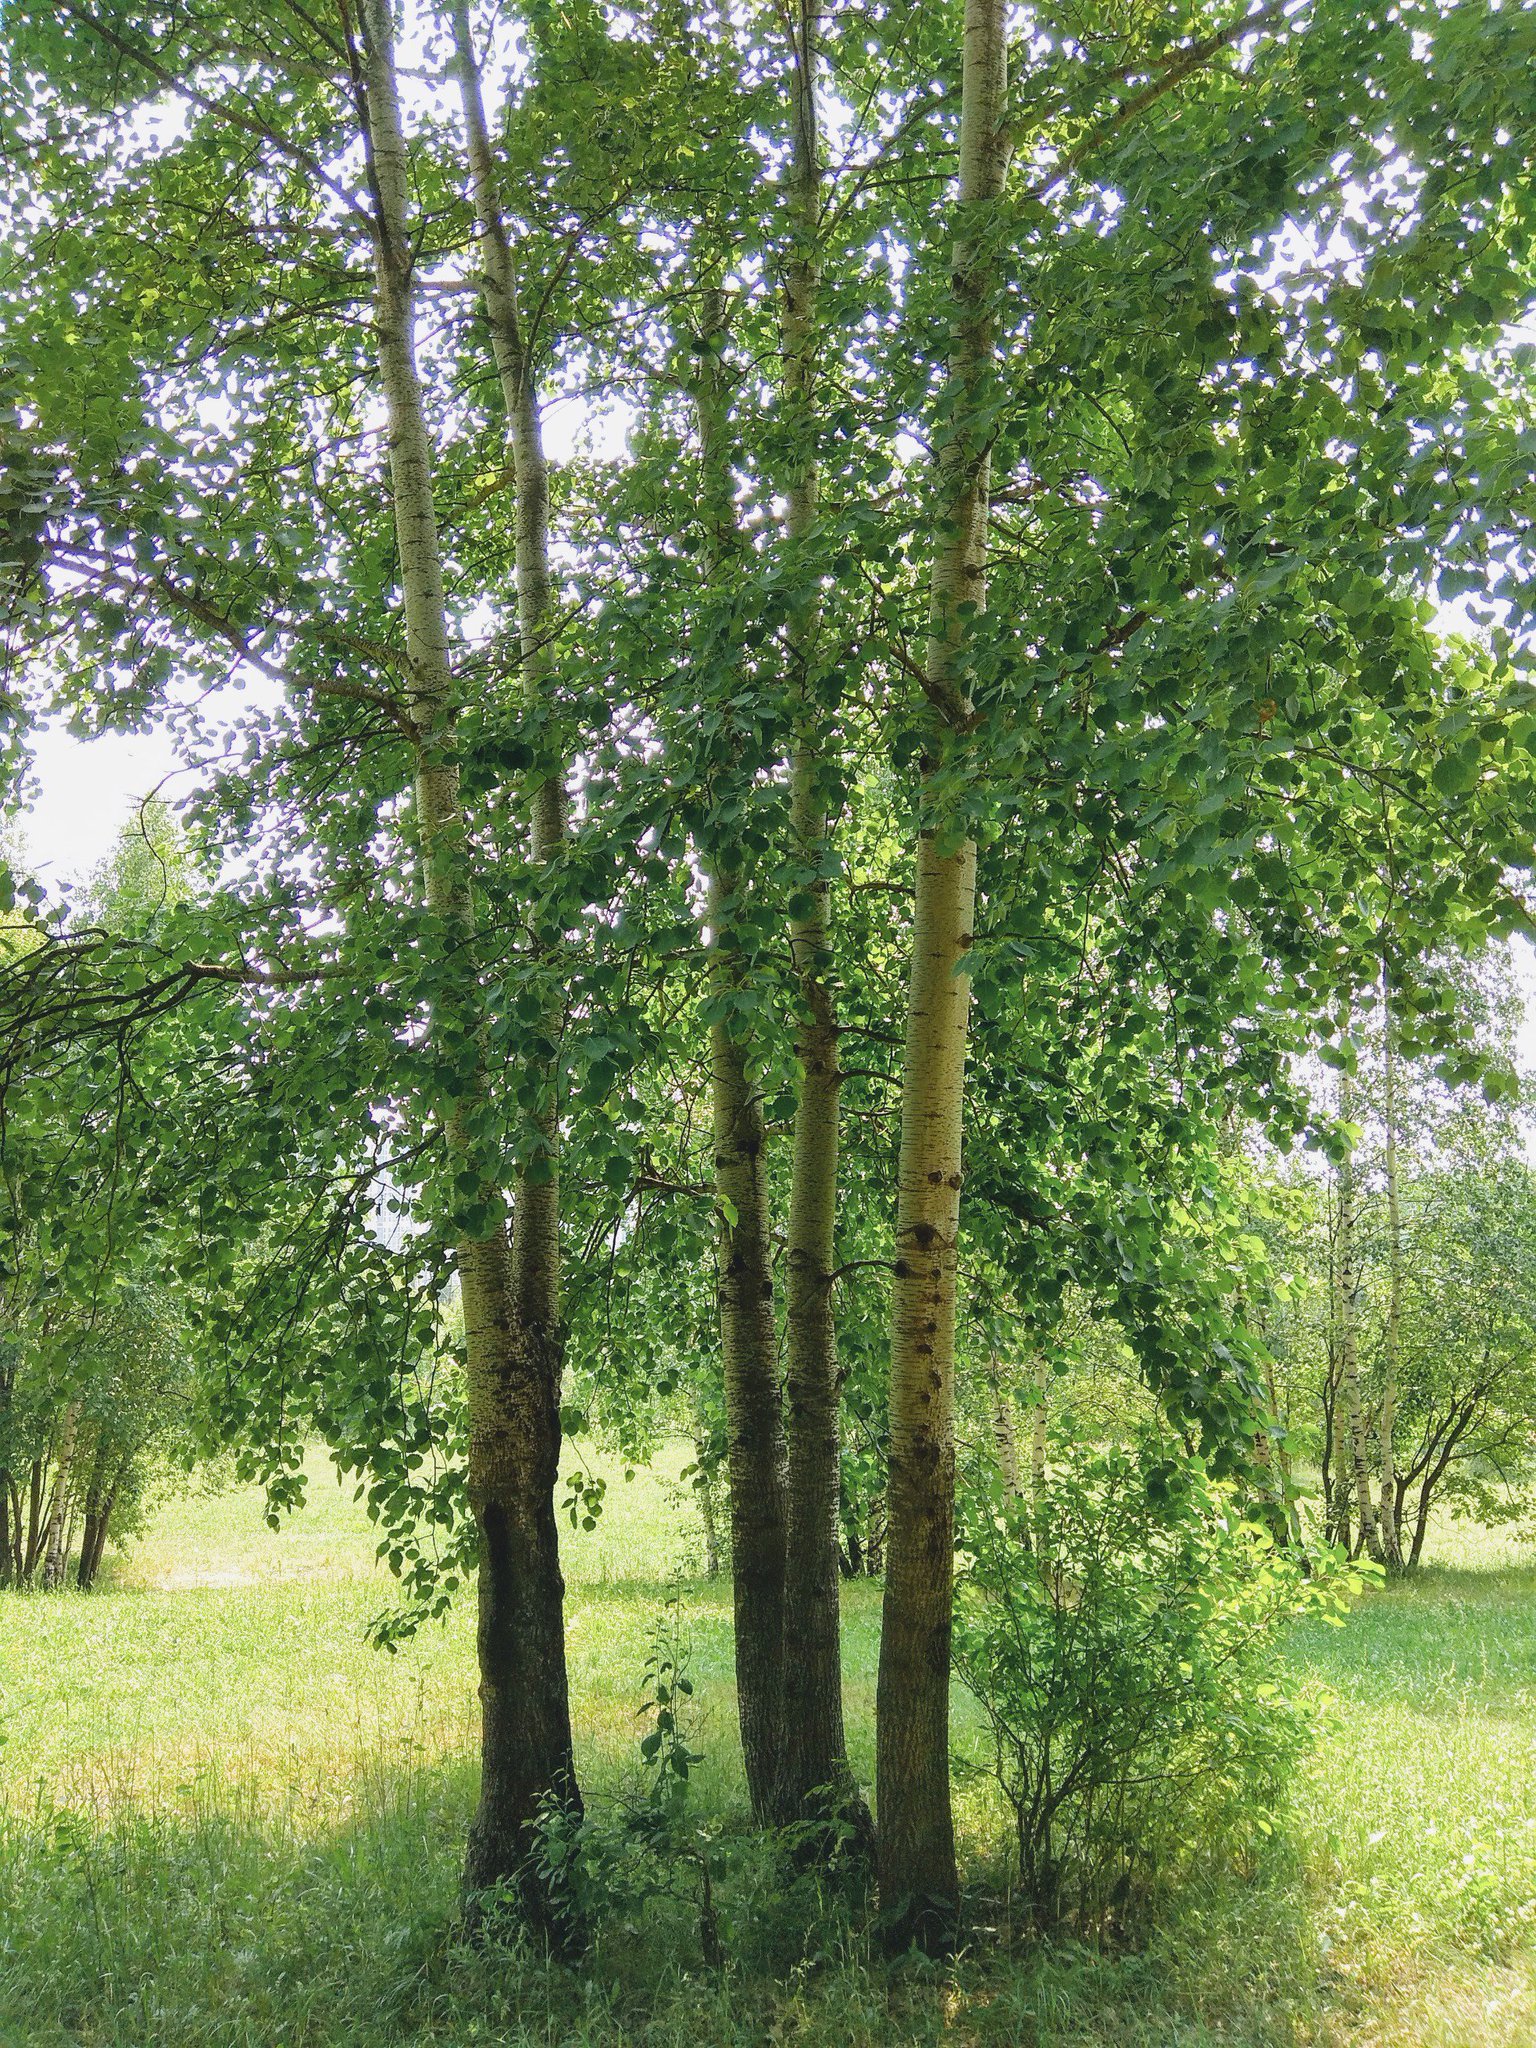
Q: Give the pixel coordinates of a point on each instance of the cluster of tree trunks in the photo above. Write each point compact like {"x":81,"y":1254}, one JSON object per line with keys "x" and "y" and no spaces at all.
{"x":43,"y":1505}
{"x":790,"y":1535}
{"x":782,"y":1435}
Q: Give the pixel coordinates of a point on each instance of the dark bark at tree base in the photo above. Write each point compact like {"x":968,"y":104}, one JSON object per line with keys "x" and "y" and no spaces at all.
{"x":528,"y":1770}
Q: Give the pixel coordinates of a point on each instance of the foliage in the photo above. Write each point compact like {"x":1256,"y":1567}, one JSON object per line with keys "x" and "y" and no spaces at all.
{"x":1456,"y":1335}
{"x":1258,"y":396}
{"x":100,"y":1393}
{"x":651,"y":1845}
{"x":1119,"y":1629}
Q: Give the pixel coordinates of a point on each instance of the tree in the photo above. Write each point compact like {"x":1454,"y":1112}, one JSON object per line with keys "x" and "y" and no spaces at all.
{"x":917,"y":1849}
{"x":1064,"y":528}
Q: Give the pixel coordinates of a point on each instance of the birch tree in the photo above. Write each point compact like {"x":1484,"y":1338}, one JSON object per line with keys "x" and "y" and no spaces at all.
{"x":917,"y":1849}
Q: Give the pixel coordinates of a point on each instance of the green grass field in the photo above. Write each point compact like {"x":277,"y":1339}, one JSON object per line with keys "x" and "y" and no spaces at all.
{"x":225,"y":1821}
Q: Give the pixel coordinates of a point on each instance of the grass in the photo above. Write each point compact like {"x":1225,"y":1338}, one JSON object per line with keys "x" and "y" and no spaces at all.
{"x":227,"y":1823}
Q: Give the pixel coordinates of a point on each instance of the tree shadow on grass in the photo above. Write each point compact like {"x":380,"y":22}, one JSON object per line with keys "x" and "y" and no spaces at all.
{"x":258,"y":1915}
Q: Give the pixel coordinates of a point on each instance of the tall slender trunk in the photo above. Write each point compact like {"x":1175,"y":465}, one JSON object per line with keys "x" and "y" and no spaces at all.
{"x":94,"y":1495}
{"x":539,"y":1631}
{"x":109,"y":1500}
{"x":1349,"y":1352}
{"x":1005,"y":1433}
{"x":1391,"y":1539}
{"x":512,"y":1375}
{"x":919,"y":1883}
{"x":754,"y":1419}
{"x":755,"y":1451}
{"x":816,"y":1772}
{"x":706,"y":1486}
{"x":56,"y":1547}
{"x":7,"y":1485}
{"x":1335,"y":1488}
{"x":1421,"y":1522}
{"x":35,"y":1523}
{"x":1039,"y":1433}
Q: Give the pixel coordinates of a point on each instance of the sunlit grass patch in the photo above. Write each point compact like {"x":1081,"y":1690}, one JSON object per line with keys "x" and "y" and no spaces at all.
{"x":224,"y":1819}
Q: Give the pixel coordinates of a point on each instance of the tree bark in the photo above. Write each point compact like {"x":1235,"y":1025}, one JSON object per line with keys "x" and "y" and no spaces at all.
{"x":1391,"y":1540}
{"x":55,"y":1549}
{"x":756,"y":1458}
{"x":919,"y":1883}
{"x":535,"y":1250}
{"x":817,"y":1777}
{"x":8,"y":1535}
{"x":755,"y":1451}
{"x":705,"y":1490}
{"x":1005,"y":1434}
{"x":918,"y":1877}
{"x":1349,"y":1356}
{"x":94,"y":1495}
{"x":35,"y":1523}
{"x":510,"y":1313}
{"x":1335,"y":1487}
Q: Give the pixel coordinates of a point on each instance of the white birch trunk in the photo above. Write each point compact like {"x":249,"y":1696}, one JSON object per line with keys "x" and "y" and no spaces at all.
{"x":513,"y":1408}
{"x":918,"y":1877}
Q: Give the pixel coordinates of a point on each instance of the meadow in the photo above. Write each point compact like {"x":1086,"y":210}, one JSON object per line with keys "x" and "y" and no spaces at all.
{"x":227,"y":1822}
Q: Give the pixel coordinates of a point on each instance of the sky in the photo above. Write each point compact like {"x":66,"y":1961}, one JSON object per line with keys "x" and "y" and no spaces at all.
{"x":87,"y":791}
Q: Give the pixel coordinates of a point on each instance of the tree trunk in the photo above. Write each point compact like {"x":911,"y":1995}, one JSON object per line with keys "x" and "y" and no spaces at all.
{"x":18,"y":1536}
{"x":70,"y":1524}
{"x":1335,"y":1487}
{"x":104,"y":1520}
{"x":539,"y":1631}
{"x":756,"y":1462}
{"x":1391,"y":1540}
{"x":919,"y":1881}
{"x":94,"y":1495}
{"x":919,"y":1884}
{"x":90,"y":1550}
{"x":710,"y":1517}
{"x":874,"y":1539}
{"x":1349,"y":1358}
{"x":815,"y":1761}
{"x":510,"y":1310}
{"x":35,"y":1524}
{"x":1039,"y":1434}
{"x":1005,"y":1435}
{"x":755,"y":1453}
{"x":56,"y":1547}
{"x":8,"y":1530}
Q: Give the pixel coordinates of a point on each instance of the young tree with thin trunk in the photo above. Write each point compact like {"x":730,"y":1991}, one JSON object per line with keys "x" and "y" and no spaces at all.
{"x":509,"y":1288}
{"x":755,"y":1447}
{"x":918,"y":1878}
{"x":1347,"y":1311}
{"x":1391,"y":1539}
{"x":55,"y":1545}
{"x":815,"y":1760}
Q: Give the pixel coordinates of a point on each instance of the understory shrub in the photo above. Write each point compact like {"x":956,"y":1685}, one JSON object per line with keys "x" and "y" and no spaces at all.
{"x":1117,"y":1626}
